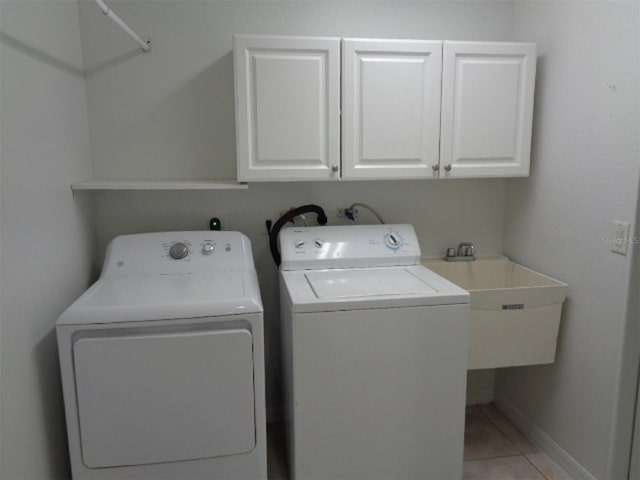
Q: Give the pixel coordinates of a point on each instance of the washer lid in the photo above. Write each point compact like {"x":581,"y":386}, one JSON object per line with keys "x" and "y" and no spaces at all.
{"x":332,"y":284}
{"x":161,"y":297}
{"x":364,"y":288}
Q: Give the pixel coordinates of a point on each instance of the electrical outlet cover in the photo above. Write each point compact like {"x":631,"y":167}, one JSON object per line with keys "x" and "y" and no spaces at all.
{"x":620,"y":237}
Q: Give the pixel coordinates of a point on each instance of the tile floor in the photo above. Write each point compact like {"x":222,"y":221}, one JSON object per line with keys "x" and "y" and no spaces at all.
{"x":494,"y":449}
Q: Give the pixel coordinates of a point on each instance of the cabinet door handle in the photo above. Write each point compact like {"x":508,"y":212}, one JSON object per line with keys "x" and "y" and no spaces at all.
{"x":435,"y":167}
{"x":447,"y":167}
{"x":335,"y":168}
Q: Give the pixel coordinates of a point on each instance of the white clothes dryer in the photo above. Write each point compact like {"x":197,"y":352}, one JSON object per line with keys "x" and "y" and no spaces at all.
{"x":162,"y":361}
{"x":375,"y":356}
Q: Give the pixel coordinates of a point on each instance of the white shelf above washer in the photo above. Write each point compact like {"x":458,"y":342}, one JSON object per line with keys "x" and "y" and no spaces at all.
{"x":159,"y":185}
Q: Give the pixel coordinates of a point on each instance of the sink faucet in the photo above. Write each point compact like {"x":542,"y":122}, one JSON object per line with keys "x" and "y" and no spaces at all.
{"x":466,"y":249}
{"x":466,"y":253}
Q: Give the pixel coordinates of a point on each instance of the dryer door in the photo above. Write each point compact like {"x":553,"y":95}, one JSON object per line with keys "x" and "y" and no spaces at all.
{"x":164,"y":396}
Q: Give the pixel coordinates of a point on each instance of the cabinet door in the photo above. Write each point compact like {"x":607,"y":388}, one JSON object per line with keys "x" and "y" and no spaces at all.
{"x":391,"y":108}
{"x":487,"y":108}
{"x":287,"y":107}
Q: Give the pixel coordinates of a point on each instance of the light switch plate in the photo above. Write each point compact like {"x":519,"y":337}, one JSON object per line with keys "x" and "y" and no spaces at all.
{"x":620,"y":237}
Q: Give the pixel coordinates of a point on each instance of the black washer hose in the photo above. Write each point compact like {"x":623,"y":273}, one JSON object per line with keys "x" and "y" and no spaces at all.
{"x":273,"y":233}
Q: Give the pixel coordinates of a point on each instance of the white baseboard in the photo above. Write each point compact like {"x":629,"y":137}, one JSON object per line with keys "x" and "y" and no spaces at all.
{"x":541,"y":439}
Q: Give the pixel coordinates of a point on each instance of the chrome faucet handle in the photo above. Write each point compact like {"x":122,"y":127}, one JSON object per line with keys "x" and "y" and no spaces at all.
{"x":466,"y":249}
{"x":466,"y":252}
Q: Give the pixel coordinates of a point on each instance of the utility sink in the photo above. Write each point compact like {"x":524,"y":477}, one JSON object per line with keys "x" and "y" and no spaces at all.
{"x":515,"y":311}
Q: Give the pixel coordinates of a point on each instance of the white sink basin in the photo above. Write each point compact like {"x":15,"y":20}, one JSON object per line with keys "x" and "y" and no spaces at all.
{"x":515,"y":311}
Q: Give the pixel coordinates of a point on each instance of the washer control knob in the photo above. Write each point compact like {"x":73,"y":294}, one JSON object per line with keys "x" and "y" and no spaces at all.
{"x":178,"y":251}
{"x":208,"y":248}
{"x":318,"y":243}
{"x":394,"y":240}
{"x":299,"y":243}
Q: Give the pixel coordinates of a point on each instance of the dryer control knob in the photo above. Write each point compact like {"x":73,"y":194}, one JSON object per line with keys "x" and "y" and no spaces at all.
{"x":178,"y":251}
{"x":318,"y":243}
{"x":208,"y":248}
{"x":299,"y":243}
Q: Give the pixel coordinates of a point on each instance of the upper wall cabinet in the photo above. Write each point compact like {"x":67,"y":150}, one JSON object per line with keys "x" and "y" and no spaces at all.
{"x":287,"y":107}
{"x":390,"y":108}
{"x":395,"y":123}
{"x":487,"y":109}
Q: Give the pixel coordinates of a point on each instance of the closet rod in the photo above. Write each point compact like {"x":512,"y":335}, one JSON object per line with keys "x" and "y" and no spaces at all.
{"x":109,"y":13}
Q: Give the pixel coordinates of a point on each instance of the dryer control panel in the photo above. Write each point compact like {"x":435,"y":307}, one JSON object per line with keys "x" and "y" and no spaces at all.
{"x":177,"y":252}
{"x":357,"y":246}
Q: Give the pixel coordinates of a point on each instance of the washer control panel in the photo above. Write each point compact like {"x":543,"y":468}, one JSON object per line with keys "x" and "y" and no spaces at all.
{"x":178,"y":252}
{"x":348,"y":246}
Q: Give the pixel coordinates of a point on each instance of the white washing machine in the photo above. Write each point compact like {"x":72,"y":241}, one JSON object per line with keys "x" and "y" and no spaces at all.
{"x":162,"y":361}
{"x":375,"y":356}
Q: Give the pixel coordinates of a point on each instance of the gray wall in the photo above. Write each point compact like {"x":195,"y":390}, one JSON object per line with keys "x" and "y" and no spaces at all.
{"x":46,"y":234}
{"x":170,"y":114}
{"x":584,"y":175}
